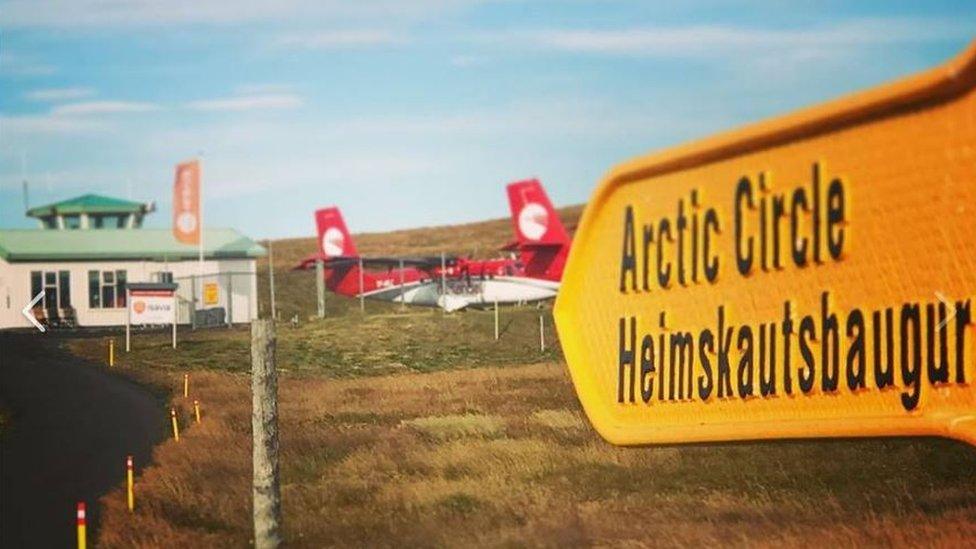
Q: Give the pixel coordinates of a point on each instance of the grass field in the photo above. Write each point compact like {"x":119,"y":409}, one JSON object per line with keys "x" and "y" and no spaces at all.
{"x":419,"y":429}
{"x":384,"y":341}
{"x":502,"y":456}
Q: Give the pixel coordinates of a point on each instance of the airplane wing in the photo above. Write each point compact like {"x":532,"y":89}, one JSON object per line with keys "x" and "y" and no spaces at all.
{"x":515,"y":246}
{"x":425,"y":263}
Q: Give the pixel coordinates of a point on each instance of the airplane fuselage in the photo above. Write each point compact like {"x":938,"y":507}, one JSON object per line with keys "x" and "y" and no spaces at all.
{"x":459,"y":293}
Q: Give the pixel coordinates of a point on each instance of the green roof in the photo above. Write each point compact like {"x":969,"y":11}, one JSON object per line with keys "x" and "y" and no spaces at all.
{"x":88,"y":203}
{"x":133,"y":244}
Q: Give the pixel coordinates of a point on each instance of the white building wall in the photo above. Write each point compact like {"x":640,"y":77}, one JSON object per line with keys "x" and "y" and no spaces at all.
{"x":15,"y":287}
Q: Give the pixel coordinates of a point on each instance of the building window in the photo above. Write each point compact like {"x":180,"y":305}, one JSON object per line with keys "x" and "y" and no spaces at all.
{"x":64,"y":289}
{"x":56,"y":286}
{"x":106,"y":289}
{"x":37,"y":283}
{"x":94,"y":294}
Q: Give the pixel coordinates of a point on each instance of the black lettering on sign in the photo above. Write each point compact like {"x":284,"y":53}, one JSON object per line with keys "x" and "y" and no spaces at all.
{"x":743,"y":199}
{"x":787,"y":349}
{"x":647,"y":368}
{"x":663,"y":275}
{"x":779,"y":210}
{"x":711,"y":261}
{"x":682,"y":363}
{"x":626,"y":358}
{"x":682,"y":224}
{"x":670,"y":359}
{"x":808,"y":331}
{"x":798,"y":244}
{"x":884,"y":372}
{"x":836,"y":217}
{"x":911,"y":366}
{"x":816,"y":213}
{"x":628,"y":263}
{"x":724,"y":366}
{"x":964,"y":317}
{"x":855,"y":355}
{"x":767,"y":360}
{"x":660,"y":384}
{"x":646,"y":259}
{"x":763,"y":223}
{"x":706,"y":346}
{"x":938,"y":368}
{"x":829,"y":346}
{"x":745,"y":362}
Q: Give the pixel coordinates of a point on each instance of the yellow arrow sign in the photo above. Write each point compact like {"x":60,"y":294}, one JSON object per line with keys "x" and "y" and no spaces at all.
{"x":810,"y":276}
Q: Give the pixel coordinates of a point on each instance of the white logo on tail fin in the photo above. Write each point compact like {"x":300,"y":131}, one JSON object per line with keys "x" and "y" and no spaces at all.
{"x":333,"y":242}
{"x":533,"y":221}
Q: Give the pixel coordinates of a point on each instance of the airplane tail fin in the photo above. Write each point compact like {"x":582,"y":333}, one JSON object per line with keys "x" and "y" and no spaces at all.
{"x":334,"y":237}
{"x":540,"y":237}
{"x":335,"y":243}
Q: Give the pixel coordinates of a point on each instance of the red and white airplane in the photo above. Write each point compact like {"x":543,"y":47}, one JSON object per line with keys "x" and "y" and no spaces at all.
{"x":452,"y":283}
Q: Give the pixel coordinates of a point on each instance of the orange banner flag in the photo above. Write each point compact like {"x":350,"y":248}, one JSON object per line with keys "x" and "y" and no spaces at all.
{"x":186,"y":203}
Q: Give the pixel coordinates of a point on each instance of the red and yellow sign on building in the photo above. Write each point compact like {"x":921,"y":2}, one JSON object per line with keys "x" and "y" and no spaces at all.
{"x":809,"y":276}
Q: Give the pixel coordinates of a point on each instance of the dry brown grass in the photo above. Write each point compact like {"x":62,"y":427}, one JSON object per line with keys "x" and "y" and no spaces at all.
{"x":420,"y":444}
{"x":501,"y":457}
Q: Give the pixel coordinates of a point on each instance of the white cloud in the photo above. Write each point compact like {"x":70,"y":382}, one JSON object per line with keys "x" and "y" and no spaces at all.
{"x":103,"y":107}
{"x":59,"y":94}
{"x":339,"y":39}
{"x":263,"y":88}
{"x":466,"y":61}
{"x":110,"y":13}
{"x":23,"y":65}
{"x":248,"y":103}
{"x":714,"y":41}
{"x":11,"y":126}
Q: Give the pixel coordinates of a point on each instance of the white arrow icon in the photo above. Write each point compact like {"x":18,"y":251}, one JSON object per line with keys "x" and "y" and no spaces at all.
{"x":29,"y":315}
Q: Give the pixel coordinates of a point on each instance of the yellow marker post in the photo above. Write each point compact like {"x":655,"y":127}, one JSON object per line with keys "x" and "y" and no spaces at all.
{"x":82,"y":525}
{"x":186,"y":385}
{"x":130,"y":494}
{"x":111,"y":352}
{"x":196,"y":410}
{"x":176,"y":426}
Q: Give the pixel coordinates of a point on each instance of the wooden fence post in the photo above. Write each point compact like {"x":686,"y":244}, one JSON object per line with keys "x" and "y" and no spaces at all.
{"x":264,"y":424}
{"x":542,"y":333}
{"x":320,"y":287}
{"x":496,"y":320}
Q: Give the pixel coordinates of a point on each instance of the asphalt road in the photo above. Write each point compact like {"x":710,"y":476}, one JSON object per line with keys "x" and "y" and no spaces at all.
{"x":71,"y":426}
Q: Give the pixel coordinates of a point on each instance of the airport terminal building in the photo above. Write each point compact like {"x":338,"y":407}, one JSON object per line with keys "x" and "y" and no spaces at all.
{"x":87,"y":249}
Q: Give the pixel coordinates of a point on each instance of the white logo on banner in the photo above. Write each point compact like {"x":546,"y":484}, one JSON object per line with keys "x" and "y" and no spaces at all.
{"x":187,"y":222}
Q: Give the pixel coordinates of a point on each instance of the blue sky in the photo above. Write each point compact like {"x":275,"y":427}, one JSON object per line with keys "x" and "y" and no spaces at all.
{"x":411,"y":112}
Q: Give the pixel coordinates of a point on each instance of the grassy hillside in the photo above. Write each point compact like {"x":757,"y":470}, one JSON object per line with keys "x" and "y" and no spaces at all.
{"x":295,"y":290}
